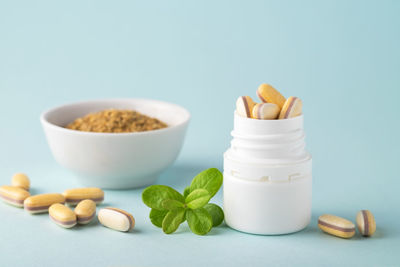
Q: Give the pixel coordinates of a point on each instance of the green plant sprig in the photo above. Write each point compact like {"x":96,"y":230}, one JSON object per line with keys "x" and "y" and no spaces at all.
{"x":169,"y":208}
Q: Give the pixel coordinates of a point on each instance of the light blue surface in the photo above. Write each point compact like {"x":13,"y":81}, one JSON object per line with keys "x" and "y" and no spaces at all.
{"x":341,"y":57}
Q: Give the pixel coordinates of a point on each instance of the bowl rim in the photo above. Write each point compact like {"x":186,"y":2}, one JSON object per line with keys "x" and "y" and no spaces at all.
{"x":45,"y":122}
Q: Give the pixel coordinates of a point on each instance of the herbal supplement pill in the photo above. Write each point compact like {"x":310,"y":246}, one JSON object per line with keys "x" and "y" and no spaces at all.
{"x":291,"y":108}
{"x":269,"y":94}
{"x":266,"y":111}
{"x":74,"y":196}
{"x":85,"y":211}
{"x":244,"y":106}
{"x":336,"y":226}
{"x":21,"y":180}
{"x":13,"y":195}
{"x":41,"y":203}
{"x":366,"y":222}
{"x":62,"y":215}
{"x":116,"y":219}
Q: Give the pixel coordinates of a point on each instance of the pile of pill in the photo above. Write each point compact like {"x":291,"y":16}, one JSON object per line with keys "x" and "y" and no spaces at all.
{"x":343,"y":228}
{"x":85,"y":200}
{"x":274,"y":105}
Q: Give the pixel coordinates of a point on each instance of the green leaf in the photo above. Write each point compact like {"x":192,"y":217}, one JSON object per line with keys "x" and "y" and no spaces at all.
{"x":183,"y":219}
{"x":157,"y":216}
{"x":217,"y":214}
{"x":154,"y":195}
{"x":210,"y":180}
{"x":197,"y":199}
{"x":172,"y":220}
{"x":199,"y":220}
{"x":172,"y":204}
{"x":186,"y":192}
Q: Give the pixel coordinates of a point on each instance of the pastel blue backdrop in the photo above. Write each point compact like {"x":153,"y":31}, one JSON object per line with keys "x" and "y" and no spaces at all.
{"x":341,"y":57}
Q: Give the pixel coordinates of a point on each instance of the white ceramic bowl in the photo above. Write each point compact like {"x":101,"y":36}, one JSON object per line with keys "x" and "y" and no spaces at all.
{"x":116,"y":160}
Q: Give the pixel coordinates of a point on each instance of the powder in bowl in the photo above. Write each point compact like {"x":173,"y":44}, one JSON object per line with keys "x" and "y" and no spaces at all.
{"x":116,"y":121}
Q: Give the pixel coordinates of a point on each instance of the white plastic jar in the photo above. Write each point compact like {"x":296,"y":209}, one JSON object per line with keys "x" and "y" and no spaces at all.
{"x":267,"y":177}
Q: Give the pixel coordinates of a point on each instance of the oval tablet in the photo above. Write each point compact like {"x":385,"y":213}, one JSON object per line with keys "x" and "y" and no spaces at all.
{"x":21,"y":180}
{"x":41,"y":203}
{"x":116,"y":219}
{"x":269,"y":94}
{"x":62,"y":215}
{"x":336,"y":226}
{"x":366,"y":223}
{"x":244,"y":106}
{"x":85,"y":211}
{"x":76,"y":195}
{"x":13,"y":195}
{"x":266,"y":111}
{"x":292,"y":108}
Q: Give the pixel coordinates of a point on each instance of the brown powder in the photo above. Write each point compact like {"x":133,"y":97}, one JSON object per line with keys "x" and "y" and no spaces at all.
{"x":116,"y":121}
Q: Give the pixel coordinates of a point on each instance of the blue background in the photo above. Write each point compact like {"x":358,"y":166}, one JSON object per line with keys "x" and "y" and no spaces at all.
{"x":341,"y":57}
